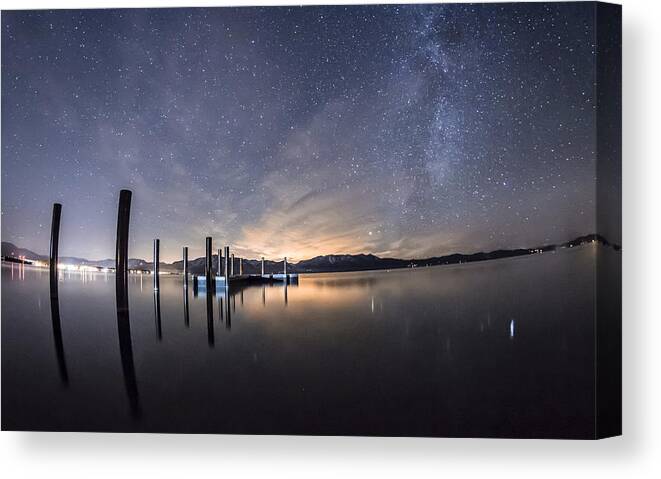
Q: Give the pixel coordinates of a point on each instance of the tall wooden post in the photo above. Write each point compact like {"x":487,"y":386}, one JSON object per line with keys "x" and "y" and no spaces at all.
{"x":232,"y":266}
{"x":54,"y":245}
{"x":285,"y":266}
{"x":227,"y":265}
{"x":121,"y":293}
{"x":262,"y":266}
{"x":207,"y":264}
{"x":185,"y":257}
{"x":220,"y":261}
{"x":122,"y":250}
{"x":54,"y":297}
{"x":241,"y":266}
{"x":157,"y":246}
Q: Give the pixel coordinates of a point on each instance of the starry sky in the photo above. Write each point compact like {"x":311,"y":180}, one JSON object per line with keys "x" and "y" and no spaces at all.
{"x":402,"y":131}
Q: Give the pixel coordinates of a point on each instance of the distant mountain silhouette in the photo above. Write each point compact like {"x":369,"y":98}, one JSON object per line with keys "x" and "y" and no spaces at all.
{"x":319,"y":264}
{"x":13,"y":251}
{"x":10,"y":250}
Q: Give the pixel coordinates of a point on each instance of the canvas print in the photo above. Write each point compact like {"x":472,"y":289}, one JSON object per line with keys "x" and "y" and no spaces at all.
{"x":383,"y":220}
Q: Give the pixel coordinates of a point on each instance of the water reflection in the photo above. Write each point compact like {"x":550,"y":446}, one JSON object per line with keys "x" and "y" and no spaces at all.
{"x":347,"y":282}
{"x":210,"y":334}
{"x":228,"y":314}
{"x":157,"y":314}
{"x":186,"y":306}
{"x":126,"y":348}
{"x":226,"y":302}
{"x":335,"y":356}
{"x":57,"y":330}
{"x":126,"y":352}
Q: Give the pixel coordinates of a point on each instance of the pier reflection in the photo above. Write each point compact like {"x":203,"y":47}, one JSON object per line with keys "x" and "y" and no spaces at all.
{"x":210,"y":333}
{"x":186,"y":306}
{"x":226,"y":310}
{"x":157,"y":314}
{"x":425,"y":321}
{"x":126,"y":348}
{"x":225,"y":298}
{"x":57,"y":331}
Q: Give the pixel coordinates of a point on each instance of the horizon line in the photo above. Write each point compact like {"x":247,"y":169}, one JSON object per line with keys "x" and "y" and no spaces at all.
{"x":597,"y":235}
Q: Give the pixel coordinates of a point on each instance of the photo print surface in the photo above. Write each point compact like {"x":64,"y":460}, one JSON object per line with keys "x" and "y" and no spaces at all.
{"x":385,"y":220}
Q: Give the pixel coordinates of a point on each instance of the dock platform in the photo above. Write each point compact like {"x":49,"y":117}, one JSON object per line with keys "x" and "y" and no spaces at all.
{"x":245,"y":280}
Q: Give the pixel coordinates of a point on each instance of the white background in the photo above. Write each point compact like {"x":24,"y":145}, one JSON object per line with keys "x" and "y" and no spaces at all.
{"x":636,"y":454}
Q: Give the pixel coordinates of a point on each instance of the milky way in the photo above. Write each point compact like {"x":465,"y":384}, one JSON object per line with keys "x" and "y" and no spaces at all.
{"x":404,"y":131}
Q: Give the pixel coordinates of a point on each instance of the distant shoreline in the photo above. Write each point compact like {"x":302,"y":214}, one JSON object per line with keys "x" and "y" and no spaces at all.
{"x":319,"y":264}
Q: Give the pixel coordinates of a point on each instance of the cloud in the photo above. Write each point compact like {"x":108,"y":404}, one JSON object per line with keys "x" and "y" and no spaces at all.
{"x":315,"y":223}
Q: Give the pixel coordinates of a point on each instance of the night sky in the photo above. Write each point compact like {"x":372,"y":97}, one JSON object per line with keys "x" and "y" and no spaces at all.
{"x":405,"y":131}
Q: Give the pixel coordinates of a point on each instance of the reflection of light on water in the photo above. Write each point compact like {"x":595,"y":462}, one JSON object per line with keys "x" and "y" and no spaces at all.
{"x":512,"y":328}
{"x":372,"y":304}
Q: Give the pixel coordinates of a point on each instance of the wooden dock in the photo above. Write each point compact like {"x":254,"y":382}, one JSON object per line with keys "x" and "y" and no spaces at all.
{"x":200,"y":281}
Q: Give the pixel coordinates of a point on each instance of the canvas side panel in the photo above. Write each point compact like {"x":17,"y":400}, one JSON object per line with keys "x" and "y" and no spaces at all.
{"x":608,"y":326}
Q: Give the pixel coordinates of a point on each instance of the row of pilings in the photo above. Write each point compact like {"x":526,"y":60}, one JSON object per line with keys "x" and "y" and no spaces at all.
{"x":121,"y":295}
{"x":224,"y":268}
{"x":225,"y":261}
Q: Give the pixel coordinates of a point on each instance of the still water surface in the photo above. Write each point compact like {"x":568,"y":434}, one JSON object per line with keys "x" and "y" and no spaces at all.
{"x":498,"y":348}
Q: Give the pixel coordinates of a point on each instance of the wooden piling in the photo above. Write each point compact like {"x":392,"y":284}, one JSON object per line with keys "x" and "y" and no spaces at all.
{"x":157,"y":247}
{"x":121,"y":293}
{"x":207,"y":264}
{"x":220,"y":262}
{"x":54,"y":297}
{"x":122,"y":249}
{"x":262,"y":266}
{"x":185,"y":258}
{"x":54,"y":245}
{"x":227,"y":266}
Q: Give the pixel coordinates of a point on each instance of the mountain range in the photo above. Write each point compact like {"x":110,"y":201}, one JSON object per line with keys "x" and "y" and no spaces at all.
{"x":318,"y":264}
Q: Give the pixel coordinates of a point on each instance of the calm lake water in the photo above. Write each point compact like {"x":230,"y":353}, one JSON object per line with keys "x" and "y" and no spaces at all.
{"x":499,"y":348}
